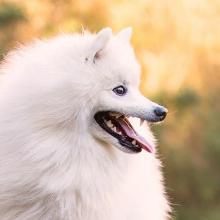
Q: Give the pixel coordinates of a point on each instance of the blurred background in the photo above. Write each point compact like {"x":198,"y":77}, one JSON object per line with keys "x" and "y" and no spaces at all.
{"x":178,"y":45}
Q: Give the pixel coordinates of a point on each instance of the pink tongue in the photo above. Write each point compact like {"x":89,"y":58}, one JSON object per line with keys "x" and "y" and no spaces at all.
{"x":132,"y":134}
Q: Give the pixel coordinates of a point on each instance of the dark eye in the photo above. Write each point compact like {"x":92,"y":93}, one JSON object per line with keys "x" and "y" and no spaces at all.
{"x":120,"y":90}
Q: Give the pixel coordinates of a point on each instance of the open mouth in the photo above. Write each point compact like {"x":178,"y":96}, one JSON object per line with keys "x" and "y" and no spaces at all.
{"x":118,"y":126}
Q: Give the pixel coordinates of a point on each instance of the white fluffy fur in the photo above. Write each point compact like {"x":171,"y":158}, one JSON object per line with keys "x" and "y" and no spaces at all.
{"x":55,"y":162}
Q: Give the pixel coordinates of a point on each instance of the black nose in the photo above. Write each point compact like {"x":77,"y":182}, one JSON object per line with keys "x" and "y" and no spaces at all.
{"x":160,"y":112}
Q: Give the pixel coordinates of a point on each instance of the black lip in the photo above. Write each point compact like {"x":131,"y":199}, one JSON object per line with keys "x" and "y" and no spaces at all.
{"x":123,"y":140}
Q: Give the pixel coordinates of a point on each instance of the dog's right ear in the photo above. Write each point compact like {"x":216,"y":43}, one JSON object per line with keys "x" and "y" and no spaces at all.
{"x":98,"y":45}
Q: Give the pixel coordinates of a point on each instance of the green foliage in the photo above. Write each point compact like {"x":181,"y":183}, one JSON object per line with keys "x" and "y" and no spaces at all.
{"x":185,"y":98}
{"x":190,"y":145}
{"x":10,"y":13}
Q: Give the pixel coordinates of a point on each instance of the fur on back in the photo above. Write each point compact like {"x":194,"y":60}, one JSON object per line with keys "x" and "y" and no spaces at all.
{"x":51,"y":165}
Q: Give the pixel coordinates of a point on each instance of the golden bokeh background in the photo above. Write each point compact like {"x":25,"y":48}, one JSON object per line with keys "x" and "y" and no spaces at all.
{"x":178,"y":45}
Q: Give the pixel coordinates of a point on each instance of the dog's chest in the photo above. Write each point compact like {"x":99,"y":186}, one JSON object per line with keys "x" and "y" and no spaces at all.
{"x":135,"y":193}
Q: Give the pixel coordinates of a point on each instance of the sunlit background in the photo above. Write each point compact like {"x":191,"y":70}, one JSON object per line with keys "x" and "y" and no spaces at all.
{"x":178,"y":45}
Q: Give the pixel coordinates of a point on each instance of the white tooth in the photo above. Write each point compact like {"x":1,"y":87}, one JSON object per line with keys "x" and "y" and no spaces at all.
{"x":114,"y":129}
{"x":116,"y":115}
{"x":109,"y":124}
{"x":134,"y":142}
{"x":141,"y":121}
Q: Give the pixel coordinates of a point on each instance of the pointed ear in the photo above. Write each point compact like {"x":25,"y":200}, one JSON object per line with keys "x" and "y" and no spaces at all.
{"x":99,"y":44}
{"x":125,"y":34}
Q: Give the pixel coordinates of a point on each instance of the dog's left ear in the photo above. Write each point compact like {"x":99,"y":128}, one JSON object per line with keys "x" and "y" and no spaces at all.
{"x":99,"y":44}
{"x":125,"y":35}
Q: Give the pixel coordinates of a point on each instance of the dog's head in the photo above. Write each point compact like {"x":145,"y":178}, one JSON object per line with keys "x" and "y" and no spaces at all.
{"x":118,"y":97}
{"x":89,"y":83}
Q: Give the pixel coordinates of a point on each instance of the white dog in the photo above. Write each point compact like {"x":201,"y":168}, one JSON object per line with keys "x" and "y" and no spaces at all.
{"x":68,"y":149}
